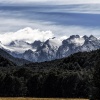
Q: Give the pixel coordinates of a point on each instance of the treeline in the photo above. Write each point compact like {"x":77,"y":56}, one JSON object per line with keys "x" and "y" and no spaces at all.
{"x":55,"y":83}
{"x":77,"y":76}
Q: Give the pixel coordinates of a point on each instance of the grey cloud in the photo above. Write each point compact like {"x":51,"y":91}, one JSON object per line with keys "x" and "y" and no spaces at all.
{"x":51,"y":14}
{"x":52,"y":1}
{"x":65,"y":19}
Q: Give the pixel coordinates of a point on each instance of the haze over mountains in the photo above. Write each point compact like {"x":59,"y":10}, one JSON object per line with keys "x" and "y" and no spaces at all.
{"x":29,"y":44}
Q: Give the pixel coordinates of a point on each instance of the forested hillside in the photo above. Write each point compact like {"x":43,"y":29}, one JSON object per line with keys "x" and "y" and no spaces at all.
{"x":16,"y":61}
{"x":77,"y":76}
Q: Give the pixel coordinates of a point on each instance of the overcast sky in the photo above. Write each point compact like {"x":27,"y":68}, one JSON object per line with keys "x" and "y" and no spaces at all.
{"x":56,"y":1}
{"x":62,"y":17}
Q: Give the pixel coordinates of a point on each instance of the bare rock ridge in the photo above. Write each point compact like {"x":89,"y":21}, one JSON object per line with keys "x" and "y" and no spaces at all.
{"x":53,"y":48}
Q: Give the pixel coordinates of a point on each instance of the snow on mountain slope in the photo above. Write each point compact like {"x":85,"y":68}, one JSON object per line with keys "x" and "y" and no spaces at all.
{"x":19,"y":46}
{"x":20,"y":41}
{"x":53,"y":48}
{"x":77,"y":40}
{"x":46,"y":51}
{"x":84,"y":43}
{"x":5,"y":47}
{"x":38,"y":46}
{"x":17,"y":43}
{"x":53,"y":43}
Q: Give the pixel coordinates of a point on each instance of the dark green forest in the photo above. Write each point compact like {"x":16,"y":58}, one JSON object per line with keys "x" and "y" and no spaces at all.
{"x":76,"y":76}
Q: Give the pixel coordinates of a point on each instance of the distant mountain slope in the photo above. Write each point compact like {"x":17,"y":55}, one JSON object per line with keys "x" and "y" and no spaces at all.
{"x":55,"y":48}
{"x":70,"y":77}
{"x":40,"y":50}
{"x":74,"y":76}
{"x":5,"y":62}
{"x":77,"y":61}
{"x":76,"y":43}
{"x":17,"y":61}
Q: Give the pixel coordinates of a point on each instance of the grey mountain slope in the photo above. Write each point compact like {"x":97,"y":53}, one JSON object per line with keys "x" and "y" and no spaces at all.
{"x":67,"y":48}
{"x":54,"y":48}
{"x":6,"y":63}
{"x":17,"y":61}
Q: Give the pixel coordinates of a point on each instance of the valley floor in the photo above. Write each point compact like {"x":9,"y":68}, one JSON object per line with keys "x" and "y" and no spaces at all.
{"x":38,"y":99}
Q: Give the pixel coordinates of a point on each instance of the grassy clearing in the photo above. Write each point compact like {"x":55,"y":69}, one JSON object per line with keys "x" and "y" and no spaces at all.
{"x":38,"y":99}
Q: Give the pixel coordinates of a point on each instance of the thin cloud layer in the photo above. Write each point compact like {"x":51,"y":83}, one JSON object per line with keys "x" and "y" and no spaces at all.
{"x":62,"y":20}
{"x":52,"y":1}
{"x":30,"y":35}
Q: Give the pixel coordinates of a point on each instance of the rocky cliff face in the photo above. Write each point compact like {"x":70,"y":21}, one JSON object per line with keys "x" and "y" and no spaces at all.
{"x":52,"y":48}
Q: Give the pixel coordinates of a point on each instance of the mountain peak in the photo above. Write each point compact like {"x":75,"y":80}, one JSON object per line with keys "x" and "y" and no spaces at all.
{"x":51,"y":48}
{"x":74,"y":36}
{"x":85,"y":37}
{"x":53,"y":37}
{"x":76,"y":40}
{"x":54,"y":41}
{"x":12,"y":43}
{"x":92,"y":37}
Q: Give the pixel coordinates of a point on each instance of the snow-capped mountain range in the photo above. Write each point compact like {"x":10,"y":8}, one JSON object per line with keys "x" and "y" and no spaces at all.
{"x":47,"y":48}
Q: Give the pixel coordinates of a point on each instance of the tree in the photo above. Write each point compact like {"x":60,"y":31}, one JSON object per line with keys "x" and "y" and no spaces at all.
{"x":50,"y":88}
{"x":96,"y":82}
